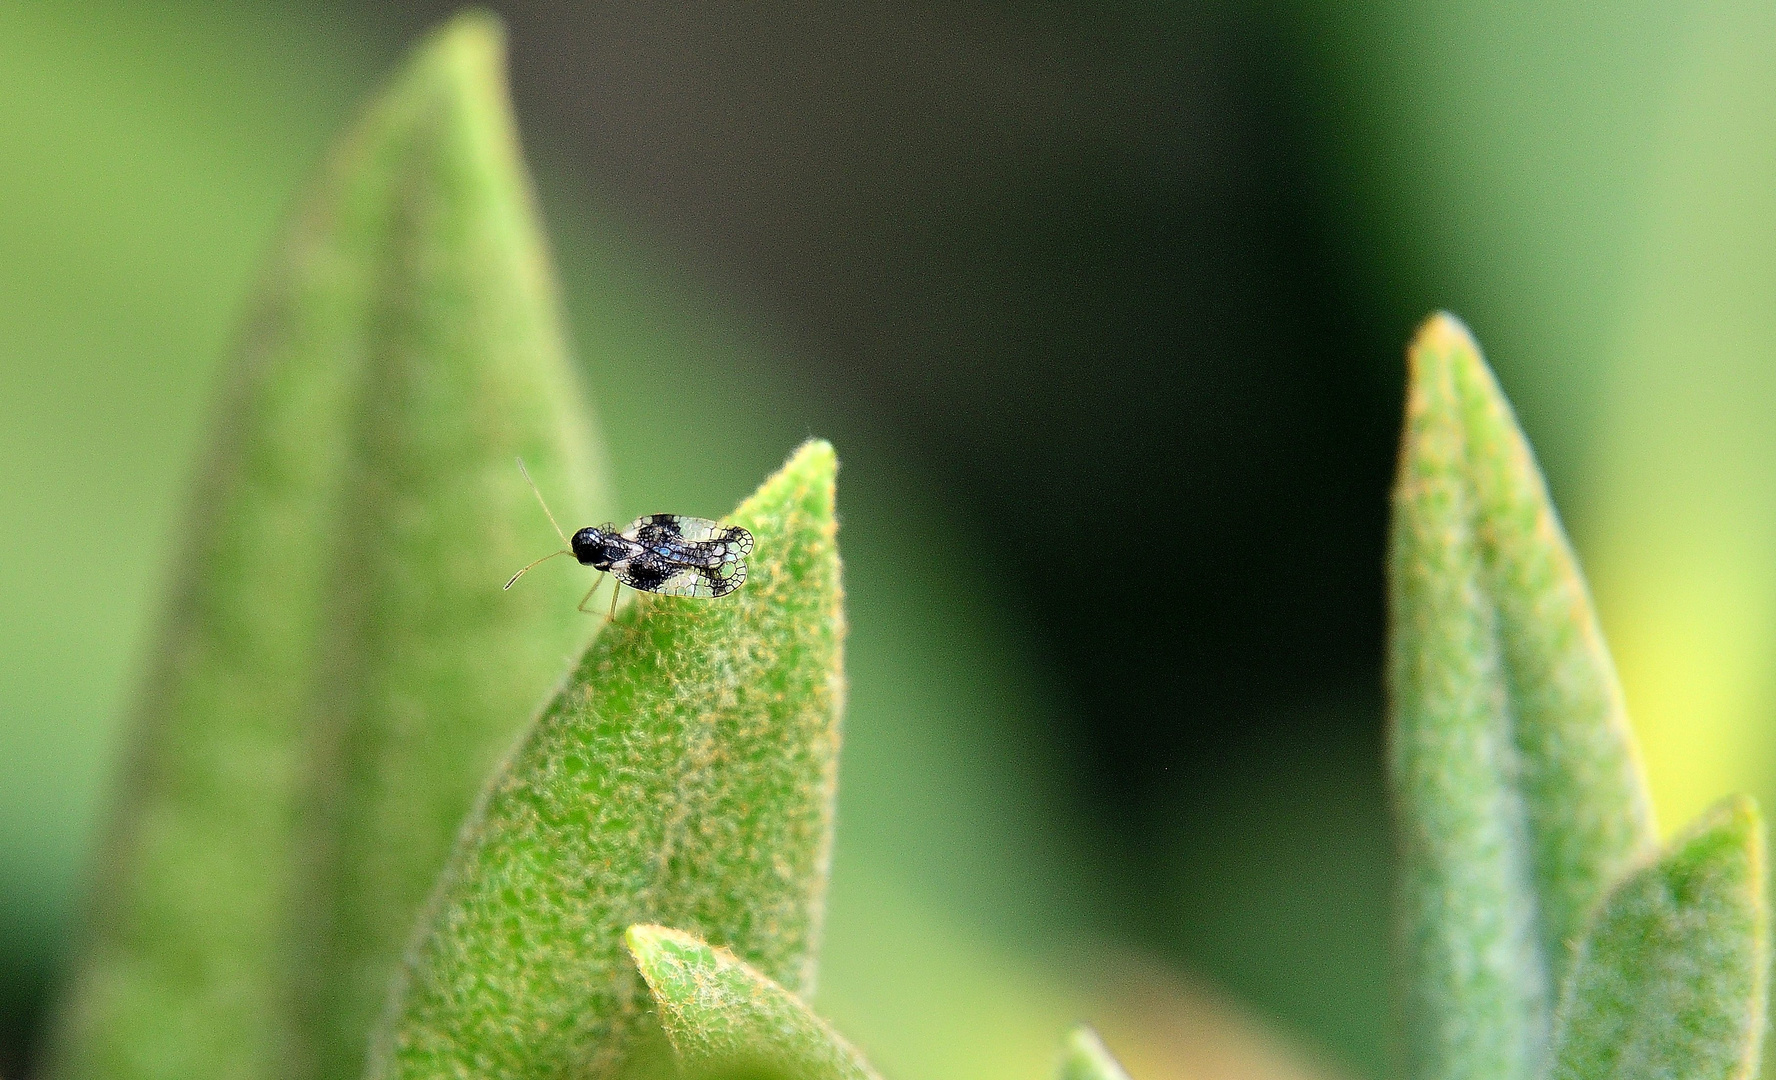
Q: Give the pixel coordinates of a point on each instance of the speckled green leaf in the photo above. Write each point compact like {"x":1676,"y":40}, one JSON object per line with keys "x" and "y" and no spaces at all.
{"x":684,"y":776}
{"x":341,"y":671}
{"x":725,"y":1018}
{"x":1517,"y":794}
{"x":1671,"y":976}
{"x":1085,"y":1057}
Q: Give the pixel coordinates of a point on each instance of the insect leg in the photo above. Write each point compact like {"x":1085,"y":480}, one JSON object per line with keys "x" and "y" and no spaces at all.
{"x":589,"y":593}
{"x":616,"y":590}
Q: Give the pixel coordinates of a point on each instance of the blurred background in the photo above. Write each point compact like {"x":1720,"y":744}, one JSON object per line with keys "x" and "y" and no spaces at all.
{"x":1047,"y":274}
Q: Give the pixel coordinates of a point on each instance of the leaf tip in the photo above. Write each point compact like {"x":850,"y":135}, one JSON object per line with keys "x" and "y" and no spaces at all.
{"x":470,"y":40}
{"x":1737,"y":814}
{"x":1442,"y":344}
{"x":1731,"y":829}
{"x":1442,"y":335}
{"x":461,"y":62}
{"x":806,"y":483}
{"x":1085,"y":1057}
{"x":647,"y":941}
{"x":814,"y":461}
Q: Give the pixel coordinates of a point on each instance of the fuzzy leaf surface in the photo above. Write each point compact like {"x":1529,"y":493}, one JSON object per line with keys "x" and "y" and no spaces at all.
{"x":1085,"y":1057}
{"x":1518,"y":797}
{"x":1672,"y":977}
{"x":684,"y":776}
{"x":340,"y":671}
{"x":725,"y":1018}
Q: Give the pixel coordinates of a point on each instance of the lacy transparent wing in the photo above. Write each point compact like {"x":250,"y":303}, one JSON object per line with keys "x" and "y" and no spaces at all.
{"x":700,"y":582}
{"x":684,"y":556}
{"x":679,"y":531}
{"x":665,"y":526}
{"x":690,"y":541}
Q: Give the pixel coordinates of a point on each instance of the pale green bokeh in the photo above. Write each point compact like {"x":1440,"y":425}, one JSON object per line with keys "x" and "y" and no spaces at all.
{"x":1684,"y":525}
{"x":1589,"y":187}
{"x":137,"y":204}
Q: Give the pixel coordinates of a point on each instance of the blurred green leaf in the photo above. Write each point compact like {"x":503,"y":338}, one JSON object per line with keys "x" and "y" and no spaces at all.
{"x":1085,"y":1057}
{"x":724,"y":1018}
{"x":685,"y":775}
{"x":1517,"y":793}
{"x":341,"y":670}
{"x":1671,"y":976}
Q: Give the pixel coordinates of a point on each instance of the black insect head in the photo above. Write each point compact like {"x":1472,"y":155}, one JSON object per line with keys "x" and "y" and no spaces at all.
{"x":598,"y":548}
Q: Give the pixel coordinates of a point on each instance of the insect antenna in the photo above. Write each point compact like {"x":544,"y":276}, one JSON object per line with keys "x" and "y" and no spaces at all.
{"x":544,"y":559}
{"x":544,"y":504}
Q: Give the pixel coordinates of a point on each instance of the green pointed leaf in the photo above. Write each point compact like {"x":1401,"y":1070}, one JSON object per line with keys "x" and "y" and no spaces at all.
{"x":725,"y":1018}
{"x":1670,"y":978}
{"x":1518,"y":796}
{"x":685,"y":775}
{"x":1085,"y":1057}
{"x":341,"y":670}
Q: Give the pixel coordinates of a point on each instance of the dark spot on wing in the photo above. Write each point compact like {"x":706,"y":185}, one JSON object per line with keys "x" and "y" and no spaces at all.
{"x":721,"y":584}
{"x":645,"y":572}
